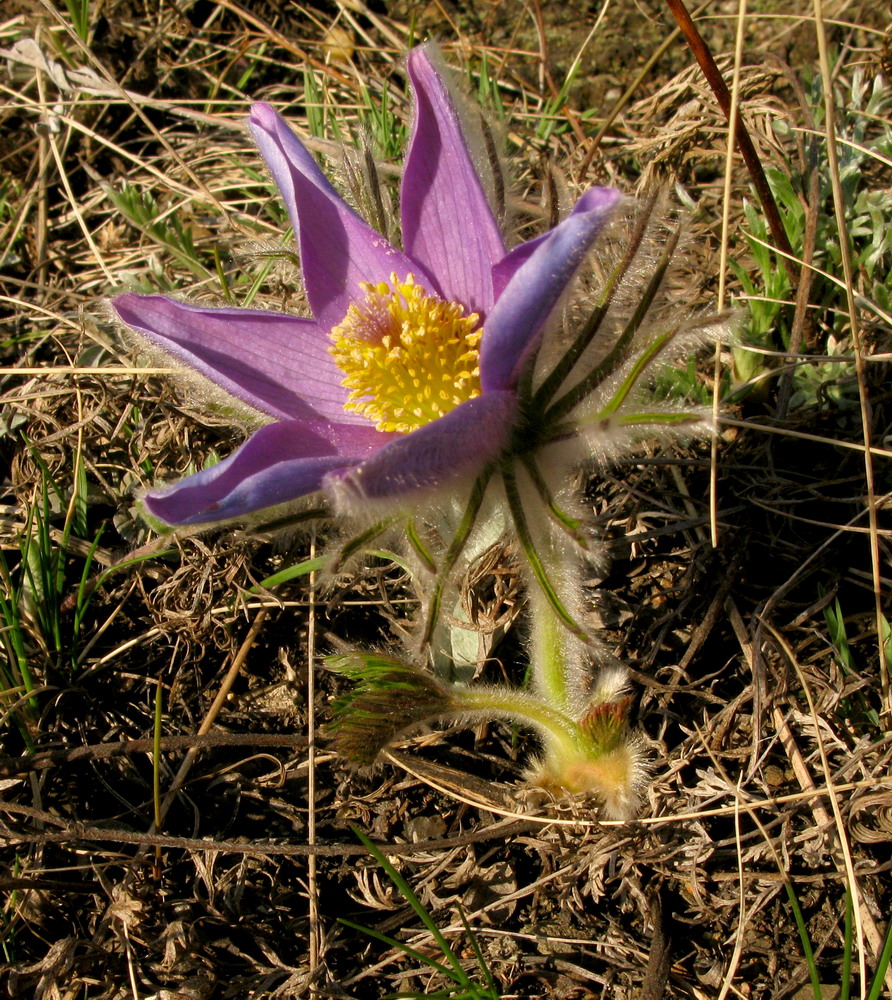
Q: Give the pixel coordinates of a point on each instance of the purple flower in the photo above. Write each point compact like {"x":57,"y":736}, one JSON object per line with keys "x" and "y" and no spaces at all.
{"x":407,"y":376}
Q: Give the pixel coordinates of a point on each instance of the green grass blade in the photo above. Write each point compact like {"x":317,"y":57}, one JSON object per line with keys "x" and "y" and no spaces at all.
{"x":290,"y":573}
{"x":478,"y":954}
{"x":848,"y":939}
{"x":460,"y":976}
{"x":806,"y":942}
{"x":879,"y":976}
{"x":400,"y":946}
{"x":84,"y":593}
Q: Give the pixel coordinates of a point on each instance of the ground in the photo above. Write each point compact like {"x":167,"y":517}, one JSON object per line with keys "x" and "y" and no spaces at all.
{"x":174,"y":824}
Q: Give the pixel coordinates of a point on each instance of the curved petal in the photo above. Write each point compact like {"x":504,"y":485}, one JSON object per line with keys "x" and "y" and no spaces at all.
{"x":448,"y":224}
{"x":514,"y":328}
{"x":460,"y":443}
{"x":279,"y":462}
{"x":278,"y":364}
{"x":503,"y":271}
{"x":338,"y":249}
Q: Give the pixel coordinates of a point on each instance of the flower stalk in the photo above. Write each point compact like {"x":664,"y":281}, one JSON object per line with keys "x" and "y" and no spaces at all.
{"x":588,"y":752}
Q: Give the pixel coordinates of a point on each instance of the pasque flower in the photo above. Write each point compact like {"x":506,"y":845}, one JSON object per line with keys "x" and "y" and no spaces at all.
{"x":451,"y":386}
{"x":406,"y":376}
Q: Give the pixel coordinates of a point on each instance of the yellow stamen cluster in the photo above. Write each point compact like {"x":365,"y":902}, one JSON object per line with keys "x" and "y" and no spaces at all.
{"x":407,"y":357}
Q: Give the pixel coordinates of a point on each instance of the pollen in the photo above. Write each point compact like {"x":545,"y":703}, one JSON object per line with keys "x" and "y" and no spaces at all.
{"x":408,"y":357}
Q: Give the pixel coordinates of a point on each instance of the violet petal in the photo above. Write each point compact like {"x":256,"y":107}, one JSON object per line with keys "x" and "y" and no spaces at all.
{"x":279,"y":462}
{"x":338,"y":249}
{"x":514,"y":328}
{"x":278,"y":364}
{"x":460,"y":443}
{"x":504,"y":270}
{"x":448,"y":224}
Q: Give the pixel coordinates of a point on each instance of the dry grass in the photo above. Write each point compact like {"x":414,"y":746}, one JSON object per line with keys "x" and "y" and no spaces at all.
{"x":170,"y":827}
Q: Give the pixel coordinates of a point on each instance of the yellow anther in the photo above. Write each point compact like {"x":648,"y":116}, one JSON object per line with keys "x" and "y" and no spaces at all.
{"x":407,"y":357}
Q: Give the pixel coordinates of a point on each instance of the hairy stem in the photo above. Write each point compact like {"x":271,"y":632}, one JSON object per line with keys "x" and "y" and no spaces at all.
{"x":548,"y":653}
{"x":536,"y":565}
{"x":562,"y":737}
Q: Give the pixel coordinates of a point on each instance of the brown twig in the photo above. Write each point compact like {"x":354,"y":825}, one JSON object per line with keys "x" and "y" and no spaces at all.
{"x":43,"y":760}
{"x":211,"y":716}
{"x":716,"y":81}
{"x":77,"y":833}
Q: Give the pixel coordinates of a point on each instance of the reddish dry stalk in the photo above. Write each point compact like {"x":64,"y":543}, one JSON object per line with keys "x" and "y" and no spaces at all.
{"x":716,"y":81}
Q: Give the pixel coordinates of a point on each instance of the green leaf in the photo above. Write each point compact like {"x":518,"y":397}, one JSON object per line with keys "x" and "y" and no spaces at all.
{"x":290,"y":573}
{"x":532,"y":556}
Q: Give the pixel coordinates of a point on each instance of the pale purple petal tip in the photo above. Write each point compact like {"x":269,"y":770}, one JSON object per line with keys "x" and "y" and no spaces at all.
{"x":276,"y":363}
{"x":461,"y":443}
{"x":514,"y":328}
{"x":278,"y":463}
{"x":338,"y":249}
{"x":448,"y":224}
{"x":505,"y":269}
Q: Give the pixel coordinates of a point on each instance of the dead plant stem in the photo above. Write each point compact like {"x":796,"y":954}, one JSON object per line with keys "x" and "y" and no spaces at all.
{"x":312,"y":879}
{"x":848,"y":274}
{"x":733,"y":118}
{"x":212,"y":713}
{"x":751,"y":157}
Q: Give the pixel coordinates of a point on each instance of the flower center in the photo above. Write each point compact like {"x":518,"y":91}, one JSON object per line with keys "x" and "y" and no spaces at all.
{"x":407,"y":357}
